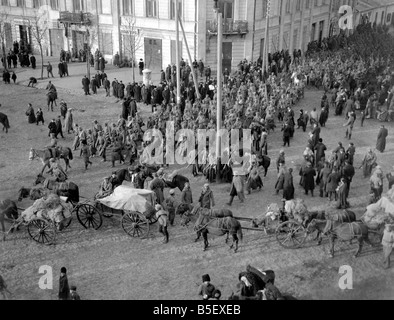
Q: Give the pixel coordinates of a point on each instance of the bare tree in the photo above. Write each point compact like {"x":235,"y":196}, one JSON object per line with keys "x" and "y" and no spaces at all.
{"x":133,"y":39}
{"x":3,"y":21}
{"x":39,"y":26}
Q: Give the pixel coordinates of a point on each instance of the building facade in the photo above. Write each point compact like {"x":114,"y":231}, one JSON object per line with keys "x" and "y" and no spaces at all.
{"x":146,"y":28}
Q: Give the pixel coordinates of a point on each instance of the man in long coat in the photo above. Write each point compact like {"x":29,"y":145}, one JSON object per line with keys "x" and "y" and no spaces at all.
{"x":85,"y":84}
{"x":382,"y":135}
{"x":121,"y":88}
{"x":288,"y":185}
{"x":309,"y":180}
{"x":157,"y":185}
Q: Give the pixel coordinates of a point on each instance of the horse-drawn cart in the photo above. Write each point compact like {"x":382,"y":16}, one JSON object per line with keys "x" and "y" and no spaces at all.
{"x":290,"y":233}
{"x":133,"y":207}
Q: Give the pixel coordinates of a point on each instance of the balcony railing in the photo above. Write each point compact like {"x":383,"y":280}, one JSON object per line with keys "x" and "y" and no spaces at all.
{"x":230,"y":27}
{"x":75,"y":18}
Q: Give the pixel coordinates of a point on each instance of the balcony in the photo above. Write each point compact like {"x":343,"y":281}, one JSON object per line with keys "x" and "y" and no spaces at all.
{"x":75,"y":18}
{"x":230,"y":28}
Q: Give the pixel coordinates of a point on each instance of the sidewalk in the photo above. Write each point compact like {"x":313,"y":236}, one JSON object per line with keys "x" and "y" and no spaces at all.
{"x":76,"y":70}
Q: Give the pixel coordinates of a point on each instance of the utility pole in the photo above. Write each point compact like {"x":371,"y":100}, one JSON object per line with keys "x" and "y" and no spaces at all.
{"x":98,"y":25}
{"x":190,"y":58}
{"x":266,"y":42}
{"x":178,"y":70}
{"x":219,"y":91}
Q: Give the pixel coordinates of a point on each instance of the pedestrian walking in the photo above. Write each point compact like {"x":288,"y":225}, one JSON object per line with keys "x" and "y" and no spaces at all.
{"x":85,"y":153}
{"x":388,"y":244}
{"x":170,"y":204}
{"x":59,"y":127}
{"x":40,"y":116}
{"x":237,"y":186}
{"x":206,"y":199}
{"x":141,"y":66}
{"x":382,"y":135}
{"x":64,"y":290}
{"x":162,"y":217}
{"x":206,"y":289}
{"x":14,"y":77}
{"x":49,"y":70}
{"x":186,"y":196}
{"x":73,"y":293}
{"x":309,"y":180}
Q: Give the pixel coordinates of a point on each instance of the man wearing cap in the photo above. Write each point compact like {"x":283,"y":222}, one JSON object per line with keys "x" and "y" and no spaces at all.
{"x":86,"y":84}
{"x":170,"y":204}
{"x":309,"y":181}
{"x":64,"y":289}
{"x":206,"y":199}
{"x":206,"y":289}
{"x":141,"y":66}
{"x":157,"y":185}
{"x":162,"y":217}
{"x":388,"y":244}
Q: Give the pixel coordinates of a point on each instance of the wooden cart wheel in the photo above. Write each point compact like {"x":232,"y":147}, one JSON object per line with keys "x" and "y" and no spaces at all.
{"x":152,"y":220}
{"x":135,"y":224}
{"x":291,"y":235}
{"x":89,"y":216}
{"x":42,"y":231}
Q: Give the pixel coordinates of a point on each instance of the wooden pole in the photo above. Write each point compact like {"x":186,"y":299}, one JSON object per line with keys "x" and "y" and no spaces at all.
{"x":219,"y":93}
{"x":178,"y":70}
{"x":190,"y":59}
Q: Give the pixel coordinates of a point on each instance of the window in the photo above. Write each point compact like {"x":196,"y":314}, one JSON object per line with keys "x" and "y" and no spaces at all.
{"x":298,"y":5}
{"x":172,"y":9}
{"x":127,"y":7}
{"x":382,"y":18}
{"x":106,"y":43}
{"x":288,"y":6}
{"x":306,"y":4}
{"x":5,"y":2}
{"x":388,"y":17}
{"x":36,"y":4}
{"x":151,"y":8}
{"x":78,"y":5}
{"x":226,"y":8}
{"x":315,"y":4}
{"x":20,"y":3}
{"x":105,"y":6}
{"x":265,"y":7}
{"x":376,"y":17}
{"x":55,"y":4}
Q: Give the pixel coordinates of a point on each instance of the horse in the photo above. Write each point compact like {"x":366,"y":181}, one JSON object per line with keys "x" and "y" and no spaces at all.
{"x":265,"y":162}
{"x":123,"y":175}
{"x":45,"y":155}
{"x":217,"y":226}
{"x":344,"y":231}
{"x":34,"y":193}
{"x":4,"y":122}
{"x":178,"y":181}
{"x":8,"y":211}
{"x":51,"y":98}
{"x":65,"y":189}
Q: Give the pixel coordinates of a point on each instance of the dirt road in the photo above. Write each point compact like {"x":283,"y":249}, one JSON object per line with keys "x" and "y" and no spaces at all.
{"x":107,"y":264}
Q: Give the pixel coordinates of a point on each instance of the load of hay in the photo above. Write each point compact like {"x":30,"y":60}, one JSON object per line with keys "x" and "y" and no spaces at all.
{"x":380,"y":212}
{"x":50,"y":207}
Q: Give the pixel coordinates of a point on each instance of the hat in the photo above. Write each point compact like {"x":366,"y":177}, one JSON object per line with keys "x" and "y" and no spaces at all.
{"x":172,"y":191}
{"x":206,"y":278}
{"x":73,"y":288}
{"x":63,"y":270}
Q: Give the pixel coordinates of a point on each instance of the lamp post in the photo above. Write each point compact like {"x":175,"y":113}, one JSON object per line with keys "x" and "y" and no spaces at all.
{"x":219,"y":90}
